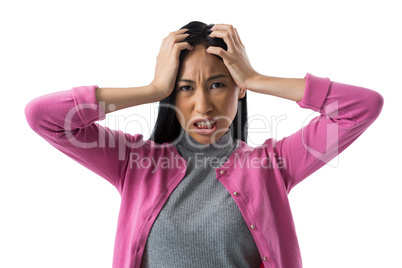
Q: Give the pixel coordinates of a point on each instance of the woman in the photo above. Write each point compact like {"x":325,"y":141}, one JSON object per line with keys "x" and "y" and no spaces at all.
{"x":195,"y":194}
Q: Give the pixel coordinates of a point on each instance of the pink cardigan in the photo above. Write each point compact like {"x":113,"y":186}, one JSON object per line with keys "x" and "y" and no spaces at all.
{"x":259,"y":179}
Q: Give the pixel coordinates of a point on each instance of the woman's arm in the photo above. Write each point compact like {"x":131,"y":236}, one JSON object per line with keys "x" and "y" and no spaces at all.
{"x":167,"y":64}
{"x":236,"y":60}
{"x":66,"y":119}
{"x":287,"y":88}
{"x":113,"y":99}
{"x":346,"y":111}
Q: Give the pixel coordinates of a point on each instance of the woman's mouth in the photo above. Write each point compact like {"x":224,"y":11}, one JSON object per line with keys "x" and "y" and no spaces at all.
{"x":205,"y":128}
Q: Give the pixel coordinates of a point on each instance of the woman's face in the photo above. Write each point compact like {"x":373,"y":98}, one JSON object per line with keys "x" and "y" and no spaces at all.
{"x":205,"y":90}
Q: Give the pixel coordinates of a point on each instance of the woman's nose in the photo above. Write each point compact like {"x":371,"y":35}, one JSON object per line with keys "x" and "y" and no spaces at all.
{"x":202,"y":102}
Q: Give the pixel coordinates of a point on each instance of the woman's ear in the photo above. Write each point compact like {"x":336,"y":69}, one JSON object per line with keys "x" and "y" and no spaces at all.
{"x":242,"y":93}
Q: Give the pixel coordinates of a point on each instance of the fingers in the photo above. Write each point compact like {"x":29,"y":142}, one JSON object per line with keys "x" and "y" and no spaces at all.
{"x":218,"y":51}
{"x":238,"y":37}
{"x":173,"y":40}
{"x":182,"y":45}
{"x":228,"y":33}
{"x":177,"y":35}
{"x":221,"y":26}
{"x":226,"y":36}
{"x":179,"y":31}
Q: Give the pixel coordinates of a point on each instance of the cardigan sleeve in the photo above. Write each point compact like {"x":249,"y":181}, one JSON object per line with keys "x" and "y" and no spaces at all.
{"x":66,"y":119}
{"x":346,"y":111}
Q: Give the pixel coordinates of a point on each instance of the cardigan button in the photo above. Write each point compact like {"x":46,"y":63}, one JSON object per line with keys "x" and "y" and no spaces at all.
{"x":264,"y":258}
{"x":235,"y":193}
{"x":222,"y":172}
{"x":252,"y":226}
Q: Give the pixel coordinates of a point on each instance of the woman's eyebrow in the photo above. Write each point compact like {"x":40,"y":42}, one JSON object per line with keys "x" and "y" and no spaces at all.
{"x":209,"y":79}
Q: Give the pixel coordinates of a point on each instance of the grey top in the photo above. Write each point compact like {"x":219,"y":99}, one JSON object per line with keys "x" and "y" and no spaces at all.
{"x":200,"y":224}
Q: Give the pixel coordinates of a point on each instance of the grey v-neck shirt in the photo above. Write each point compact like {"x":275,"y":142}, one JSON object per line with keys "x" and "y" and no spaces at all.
{"x":200,"y":224}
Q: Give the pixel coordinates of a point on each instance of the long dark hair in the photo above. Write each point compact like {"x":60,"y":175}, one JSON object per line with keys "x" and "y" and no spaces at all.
{"x":167,"y":127}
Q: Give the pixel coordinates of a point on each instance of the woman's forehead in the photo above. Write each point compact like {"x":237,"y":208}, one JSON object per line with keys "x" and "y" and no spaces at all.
{"x":194,"y":67}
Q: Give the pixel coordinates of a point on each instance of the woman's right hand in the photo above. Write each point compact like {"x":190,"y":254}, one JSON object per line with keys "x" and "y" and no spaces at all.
{"x":167,"y":62}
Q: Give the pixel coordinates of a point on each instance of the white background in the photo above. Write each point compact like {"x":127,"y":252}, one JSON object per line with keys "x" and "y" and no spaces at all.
{"x":56,"y":213}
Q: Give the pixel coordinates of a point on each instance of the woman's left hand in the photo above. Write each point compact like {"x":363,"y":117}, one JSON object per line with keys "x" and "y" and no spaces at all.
{"x":235,"y":58}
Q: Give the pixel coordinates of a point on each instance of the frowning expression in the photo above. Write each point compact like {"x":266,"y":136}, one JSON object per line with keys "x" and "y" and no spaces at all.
{"x":205,"y":90}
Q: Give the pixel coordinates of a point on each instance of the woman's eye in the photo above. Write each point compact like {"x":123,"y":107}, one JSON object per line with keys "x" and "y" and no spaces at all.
{"x":183,"y":88}
{"x":218,"y":84}
{"x":188,"y":88}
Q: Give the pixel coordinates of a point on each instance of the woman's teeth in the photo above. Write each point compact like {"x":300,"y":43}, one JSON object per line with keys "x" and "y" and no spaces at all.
{"x":203,"y":124}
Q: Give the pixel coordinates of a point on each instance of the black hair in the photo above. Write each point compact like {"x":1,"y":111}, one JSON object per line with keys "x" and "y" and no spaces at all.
{"x":167,"y":127}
